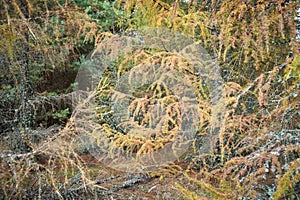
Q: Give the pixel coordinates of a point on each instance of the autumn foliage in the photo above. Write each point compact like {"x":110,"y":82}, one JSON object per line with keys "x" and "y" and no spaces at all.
{"x":255,"y":154}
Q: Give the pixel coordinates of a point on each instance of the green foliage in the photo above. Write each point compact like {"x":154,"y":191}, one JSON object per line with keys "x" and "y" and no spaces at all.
{"x":105,"y":13}
{"x":50,"y":94}
{"x":62,"y":115}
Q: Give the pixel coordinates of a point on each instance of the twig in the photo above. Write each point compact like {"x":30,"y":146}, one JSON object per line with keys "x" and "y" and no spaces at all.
{"x":131,"y":182}
{"x":277,"y":68}
{"x":95,"y":182}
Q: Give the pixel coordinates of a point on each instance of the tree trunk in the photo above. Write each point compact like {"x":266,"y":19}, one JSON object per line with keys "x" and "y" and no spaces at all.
{"x":25,"y":92}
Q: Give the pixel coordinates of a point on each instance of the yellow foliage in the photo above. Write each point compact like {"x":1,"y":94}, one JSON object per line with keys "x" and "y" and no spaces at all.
{"x":285,"y":183}
{"x":186,"y":193}
{"x":7,"y":43}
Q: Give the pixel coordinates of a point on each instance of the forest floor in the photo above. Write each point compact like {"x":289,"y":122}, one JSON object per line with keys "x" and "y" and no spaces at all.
{"x":81,"y":175}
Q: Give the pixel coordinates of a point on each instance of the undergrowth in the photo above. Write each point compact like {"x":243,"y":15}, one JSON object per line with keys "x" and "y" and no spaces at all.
{"x":256,"y":153}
